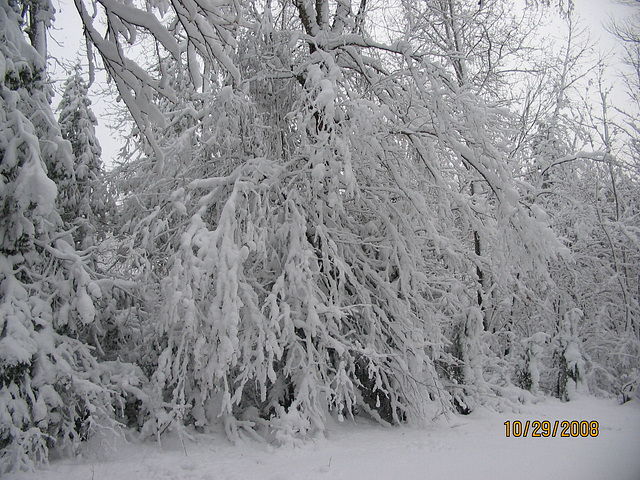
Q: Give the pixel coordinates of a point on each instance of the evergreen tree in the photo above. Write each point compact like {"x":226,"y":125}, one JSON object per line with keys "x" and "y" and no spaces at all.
{"x":53,"y":392}
{"x":83,"y":199}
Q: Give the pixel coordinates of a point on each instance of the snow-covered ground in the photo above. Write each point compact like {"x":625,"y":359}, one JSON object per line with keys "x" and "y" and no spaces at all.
{"x":463,"y":447}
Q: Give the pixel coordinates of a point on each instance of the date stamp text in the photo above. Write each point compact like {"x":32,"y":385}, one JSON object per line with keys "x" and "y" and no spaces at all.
{"x":546,"y":428}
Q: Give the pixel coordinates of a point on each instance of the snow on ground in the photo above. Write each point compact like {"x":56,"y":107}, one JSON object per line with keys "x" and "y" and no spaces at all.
{"x":464,"y":447}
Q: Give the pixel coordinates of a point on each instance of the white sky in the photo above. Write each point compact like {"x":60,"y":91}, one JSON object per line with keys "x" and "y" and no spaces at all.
{"x":67,"y":45}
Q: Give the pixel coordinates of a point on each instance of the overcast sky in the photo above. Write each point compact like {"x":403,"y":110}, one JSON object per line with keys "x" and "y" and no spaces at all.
{"x":66,"y":44}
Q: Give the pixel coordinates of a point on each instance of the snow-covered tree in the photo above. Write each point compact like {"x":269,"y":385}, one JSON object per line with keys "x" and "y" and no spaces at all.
{"x":583,"y":334}
{"x":83,"y":199}
{"x":316,"y":253}
{"x":53,"y":392}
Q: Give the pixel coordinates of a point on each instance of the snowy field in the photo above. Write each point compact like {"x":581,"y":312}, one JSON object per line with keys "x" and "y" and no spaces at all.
{"x":462,"y":447}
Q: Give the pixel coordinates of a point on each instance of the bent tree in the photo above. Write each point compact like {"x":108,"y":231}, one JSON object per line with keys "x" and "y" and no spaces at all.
{"x":308,"y":226}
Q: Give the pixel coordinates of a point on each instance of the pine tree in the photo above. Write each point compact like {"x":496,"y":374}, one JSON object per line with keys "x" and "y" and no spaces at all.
{"x":53,"y":392}
{"x":83,"y":199}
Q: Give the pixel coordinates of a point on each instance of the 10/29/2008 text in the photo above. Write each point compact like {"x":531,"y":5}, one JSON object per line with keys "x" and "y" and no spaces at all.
{"x":546,"y":428}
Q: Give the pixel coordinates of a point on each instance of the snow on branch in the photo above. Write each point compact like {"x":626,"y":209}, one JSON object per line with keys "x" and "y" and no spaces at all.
{"x":594,"y":156}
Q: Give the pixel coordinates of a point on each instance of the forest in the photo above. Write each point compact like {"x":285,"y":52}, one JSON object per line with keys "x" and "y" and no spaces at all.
{"x":323,"y":209}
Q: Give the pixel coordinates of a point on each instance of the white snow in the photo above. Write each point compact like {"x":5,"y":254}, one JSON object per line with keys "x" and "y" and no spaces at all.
{"x":85,"y":306}
{"x":462,"y":447}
